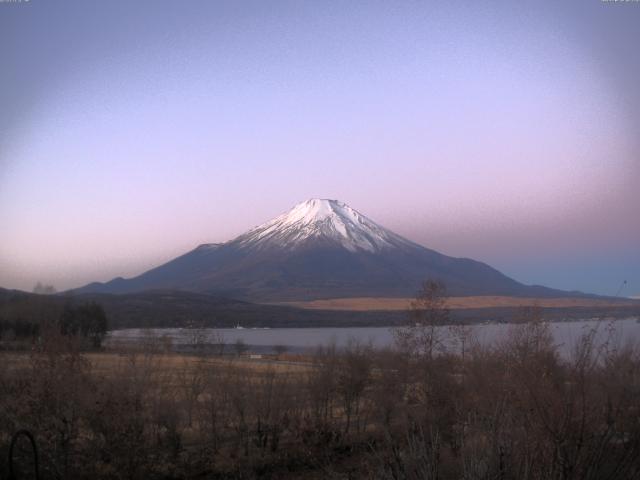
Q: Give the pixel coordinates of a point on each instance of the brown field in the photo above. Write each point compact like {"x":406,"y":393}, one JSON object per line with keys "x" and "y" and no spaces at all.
{"x":390,"y":304}
{"x":109,"y":364}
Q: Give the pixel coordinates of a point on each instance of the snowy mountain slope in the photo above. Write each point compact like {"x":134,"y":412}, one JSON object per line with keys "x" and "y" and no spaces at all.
{"x":319,"y":249}
{"x":328,"y":220}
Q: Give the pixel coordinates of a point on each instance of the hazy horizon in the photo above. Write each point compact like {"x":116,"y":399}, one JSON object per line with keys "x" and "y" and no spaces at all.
{"x":132,"y":132}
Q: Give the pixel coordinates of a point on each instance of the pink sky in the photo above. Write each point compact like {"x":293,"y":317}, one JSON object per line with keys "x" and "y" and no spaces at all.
{"x":509,"y":135}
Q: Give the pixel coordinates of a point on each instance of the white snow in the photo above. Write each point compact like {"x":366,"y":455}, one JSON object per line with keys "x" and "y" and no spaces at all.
{"x":323,"y":219}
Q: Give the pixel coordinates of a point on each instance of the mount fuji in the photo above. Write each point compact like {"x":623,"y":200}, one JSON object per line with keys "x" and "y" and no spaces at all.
{"x":319,"y":249}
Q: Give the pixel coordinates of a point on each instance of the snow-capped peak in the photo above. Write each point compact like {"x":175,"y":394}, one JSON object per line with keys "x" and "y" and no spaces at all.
{"x":322,"y":219}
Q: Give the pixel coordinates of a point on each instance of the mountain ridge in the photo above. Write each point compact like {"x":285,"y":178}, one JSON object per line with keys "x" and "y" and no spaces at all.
{"x":320,"y":248}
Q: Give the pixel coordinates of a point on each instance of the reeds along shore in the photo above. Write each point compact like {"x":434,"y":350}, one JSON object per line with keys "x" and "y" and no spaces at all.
{"x":515,"y":409}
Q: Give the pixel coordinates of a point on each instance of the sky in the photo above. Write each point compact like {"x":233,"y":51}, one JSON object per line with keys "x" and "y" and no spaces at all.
{"x":507,"y":132}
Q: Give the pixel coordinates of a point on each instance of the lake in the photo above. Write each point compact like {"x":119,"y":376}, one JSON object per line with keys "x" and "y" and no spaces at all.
{"x":565,"y":335}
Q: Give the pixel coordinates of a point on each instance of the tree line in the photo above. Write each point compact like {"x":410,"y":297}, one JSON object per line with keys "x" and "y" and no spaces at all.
{"x":25,"y":320}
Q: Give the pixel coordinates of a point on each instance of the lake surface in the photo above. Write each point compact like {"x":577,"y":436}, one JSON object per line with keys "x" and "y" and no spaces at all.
{"x":565,"y":335}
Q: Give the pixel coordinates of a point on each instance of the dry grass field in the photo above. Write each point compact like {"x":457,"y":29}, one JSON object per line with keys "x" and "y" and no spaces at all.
{"x":394,"y":304}
{"x":113,"y":364}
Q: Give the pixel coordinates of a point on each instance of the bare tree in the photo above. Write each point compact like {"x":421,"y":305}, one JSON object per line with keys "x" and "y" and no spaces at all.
{"x":280,"y":349}
{"x":240,"y":347}
{"x":321,"y":388}
{"x":167,"y":343}
{"x":218,"y":341}
{"x":353,"y":377}
{"x":42,"y":289}
{"x":197,"y":338}
{"x":192,"y":380}
{"x":462,"y":337}
{"x":428,"y":312}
